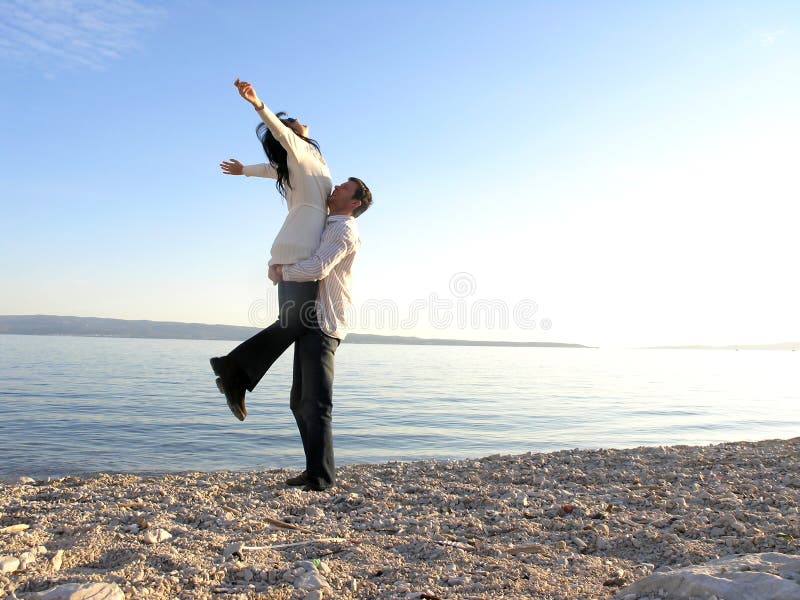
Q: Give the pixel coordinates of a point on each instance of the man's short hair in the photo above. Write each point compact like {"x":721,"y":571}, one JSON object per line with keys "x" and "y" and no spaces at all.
{"x":363,"y":194}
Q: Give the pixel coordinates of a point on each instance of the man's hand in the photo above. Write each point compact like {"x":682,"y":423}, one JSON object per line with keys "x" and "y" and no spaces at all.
{"x":275,"y":274}
{"x":232,"y":167}
{"x":248,"y":92}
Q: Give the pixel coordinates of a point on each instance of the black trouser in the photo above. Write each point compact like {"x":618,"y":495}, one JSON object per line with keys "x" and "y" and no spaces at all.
{"x":297,"y":313}
{"x":311,"y":402}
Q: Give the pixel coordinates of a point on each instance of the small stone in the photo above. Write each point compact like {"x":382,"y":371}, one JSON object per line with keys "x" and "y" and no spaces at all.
{"x":579,"y":543}
{"x":680,"y":502}
{"x":233,"y":549}
{"x":154,"y":536}
{"x":310,"y":581}
{"x":27,"y":558}
{"x":306,"y":565}
{"x":738,"y":527}
{"x":315,"y":512}
{"x":323,"y":567}
{"x":19,"y":527}
{"x":57,"y":559}
{"x":25,"y":480}
{"x":314,"y":595}
{"x":8,"y":564}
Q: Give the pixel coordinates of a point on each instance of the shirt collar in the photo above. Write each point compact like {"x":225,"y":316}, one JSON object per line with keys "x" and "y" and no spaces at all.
{"x":334,"y":218}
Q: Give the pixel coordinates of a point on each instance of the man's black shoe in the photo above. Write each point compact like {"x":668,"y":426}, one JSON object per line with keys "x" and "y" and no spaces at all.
{"x":230,"y":383}
{"x":301,"y":479}
{"x":312,"y":487}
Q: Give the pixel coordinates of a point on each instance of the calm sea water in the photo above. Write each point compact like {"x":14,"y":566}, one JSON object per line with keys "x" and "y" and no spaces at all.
{"x":70,"y":404}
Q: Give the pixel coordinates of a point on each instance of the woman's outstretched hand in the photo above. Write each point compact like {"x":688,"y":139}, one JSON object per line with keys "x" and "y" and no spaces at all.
{"x":248,"y":92}
{"x":232,"y":167}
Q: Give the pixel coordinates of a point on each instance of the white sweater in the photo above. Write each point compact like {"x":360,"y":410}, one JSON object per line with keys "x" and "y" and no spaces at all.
{"x":306,"y":199}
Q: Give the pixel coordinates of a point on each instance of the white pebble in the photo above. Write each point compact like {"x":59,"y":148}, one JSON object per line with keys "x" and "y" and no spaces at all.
{"x":8,"y":564}
{"x":155,"y":536}
{"x":27,"y":558}
{"x":310,"y":581}
{"x":86,"y":591}
{"x":57,"y":559}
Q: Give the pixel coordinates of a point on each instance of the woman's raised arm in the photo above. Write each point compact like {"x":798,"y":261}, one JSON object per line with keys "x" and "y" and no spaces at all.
{"x":282,"y":133}
{"x":248,"y":92}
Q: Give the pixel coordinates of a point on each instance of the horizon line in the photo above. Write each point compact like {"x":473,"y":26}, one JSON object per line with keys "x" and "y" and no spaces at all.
{"x":687,"y":346}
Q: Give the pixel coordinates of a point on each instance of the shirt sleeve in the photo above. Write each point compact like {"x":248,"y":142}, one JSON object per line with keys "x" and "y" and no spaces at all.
{"x":262,"y":170}
{"x":336,"y":244}
{"x":285,"y":136}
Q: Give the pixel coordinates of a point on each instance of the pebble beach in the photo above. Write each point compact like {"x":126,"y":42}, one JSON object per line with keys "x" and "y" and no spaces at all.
{"x":573,"y":524}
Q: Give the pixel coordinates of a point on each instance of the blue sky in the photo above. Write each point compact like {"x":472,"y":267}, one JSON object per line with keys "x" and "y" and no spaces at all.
{"x":610,"y":173}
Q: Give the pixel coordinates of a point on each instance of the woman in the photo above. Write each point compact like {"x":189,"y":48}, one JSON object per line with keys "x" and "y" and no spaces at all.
{"x":304,"y":180}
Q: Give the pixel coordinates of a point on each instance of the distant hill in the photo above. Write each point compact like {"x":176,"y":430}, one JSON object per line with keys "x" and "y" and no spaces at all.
{"x":99,"y":327}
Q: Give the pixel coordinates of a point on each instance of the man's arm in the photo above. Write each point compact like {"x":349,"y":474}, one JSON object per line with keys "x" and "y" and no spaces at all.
{"x":336,"y":244}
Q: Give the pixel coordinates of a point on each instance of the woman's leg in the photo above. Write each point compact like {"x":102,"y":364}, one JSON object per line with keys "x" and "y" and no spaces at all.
{"x":255,"y":356}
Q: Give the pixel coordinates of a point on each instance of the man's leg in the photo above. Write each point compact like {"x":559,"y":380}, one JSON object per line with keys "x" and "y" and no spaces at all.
{"x":315,"y":412}
{"x":295,"y":396}
{"x":255,"y":356}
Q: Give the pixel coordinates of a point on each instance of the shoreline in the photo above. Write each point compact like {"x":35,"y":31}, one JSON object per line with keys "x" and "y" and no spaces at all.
{"x":564,"y":524}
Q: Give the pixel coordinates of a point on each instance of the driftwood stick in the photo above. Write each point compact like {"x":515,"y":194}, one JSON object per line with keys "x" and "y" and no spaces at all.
{"x":460,"y":545}
{"x":295,"y":544}
{"x":285,"y":525}
{"x":527,"y":548}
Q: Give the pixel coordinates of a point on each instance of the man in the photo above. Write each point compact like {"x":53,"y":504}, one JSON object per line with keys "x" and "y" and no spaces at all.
{"x":316,"y":334}
{"x":312,"y":383}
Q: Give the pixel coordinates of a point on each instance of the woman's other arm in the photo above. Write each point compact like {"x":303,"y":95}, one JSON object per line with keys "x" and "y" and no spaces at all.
{"x":234,"y":167}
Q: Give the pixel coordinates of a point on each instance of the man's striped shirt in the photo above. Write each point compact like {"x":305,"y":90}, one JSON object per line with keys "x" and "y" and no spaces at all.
{"x":331,"y":265}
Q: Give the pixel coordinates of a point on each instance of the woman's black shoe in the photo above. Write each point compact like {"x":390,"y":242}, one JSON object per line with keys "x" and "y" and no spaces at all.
{"x":230,"y":383}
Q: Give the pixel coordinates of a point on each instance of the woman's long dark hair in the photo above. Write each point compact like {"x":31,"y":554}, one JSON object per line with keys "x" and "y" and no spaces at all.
{"x":276,"y":154}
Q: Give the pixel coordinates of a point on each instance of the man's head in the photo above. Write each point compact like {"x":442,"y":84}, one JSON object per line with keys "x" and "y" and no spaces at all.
{"x":350,"y":198}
